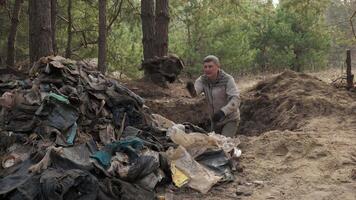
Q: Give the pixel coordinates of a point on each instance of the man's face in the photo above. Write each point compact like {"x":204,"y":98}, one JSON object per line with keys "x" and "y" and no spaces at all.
{"x":211,"y":70}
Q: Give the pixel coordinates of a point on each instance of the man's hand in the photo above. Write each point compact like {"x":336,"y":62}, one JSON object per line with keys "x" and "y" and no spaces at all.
{"x":219,"y":116}
{"x":191,"y":89}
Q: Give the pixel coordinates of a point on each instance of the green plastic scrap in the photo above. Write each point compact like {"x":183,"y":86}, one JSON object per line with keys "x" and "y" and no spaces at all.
{"x":58,"y":97}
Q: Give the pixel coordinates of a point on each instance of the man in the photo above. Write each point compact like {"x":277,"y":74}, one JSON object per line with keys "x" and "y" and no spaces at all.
{"x":222,"y":96}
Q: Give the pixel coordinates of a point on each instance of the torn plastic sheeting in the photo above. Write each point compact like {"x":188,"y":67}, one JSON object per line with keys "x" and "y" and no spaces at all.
{"x":144,"y":165}
{"x":131,"y":131}
{"x":136,"y":170}
{"x":228,"y":144}
{"x":217,"y":161}
{"x":161,"y":122}
{"x":194,"y":143}
{"x":56,"y":112}
{"x":191,"y":128}
{"x":58,"y":97}
{"x":150,"y":181}
{"x":72,"y":132}
{"x":197,"y":143}
{"x":201,"y":179}
{"x":179,"y":136}
{"x":129,"y":146}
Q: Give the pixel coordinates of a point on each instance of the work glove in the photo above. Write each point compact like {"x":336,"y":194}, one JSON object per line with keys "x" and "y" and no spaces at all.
{"x":219,"y":116}
{"x":191,"y":89}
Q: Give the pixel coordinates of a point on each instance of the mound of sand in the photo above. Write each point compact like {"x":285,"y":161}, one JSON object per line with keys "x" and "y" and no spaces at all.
{"x":287,"y":101}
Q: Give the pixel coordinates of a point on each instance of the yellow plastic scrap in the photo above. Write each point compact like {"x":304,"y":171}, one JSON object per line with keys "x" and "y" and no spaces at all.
{"x":179,"y":178}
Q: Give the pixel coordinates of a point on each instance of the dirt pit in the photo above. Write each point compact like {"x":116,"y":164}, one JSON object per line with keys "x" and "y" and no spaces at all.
{"x":298,"y":139}
{"x":173,"y":102}
{"x":286,"y":101}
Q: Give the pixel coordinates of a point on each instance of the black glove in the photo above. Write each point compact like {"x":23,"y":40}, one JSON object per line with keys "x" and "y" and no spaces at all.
{"x":219,"y":116}
{"x":191,"y":89}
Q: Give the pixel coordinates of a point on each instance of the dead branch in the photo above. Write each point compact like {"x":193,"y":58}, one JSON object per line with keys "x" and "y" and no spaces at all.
{"x":113,"y":19}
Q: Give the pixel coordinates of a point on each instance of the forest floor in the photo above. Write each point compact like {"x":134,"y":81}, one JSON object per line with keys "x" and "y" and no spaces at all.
{"x":297,"y":133}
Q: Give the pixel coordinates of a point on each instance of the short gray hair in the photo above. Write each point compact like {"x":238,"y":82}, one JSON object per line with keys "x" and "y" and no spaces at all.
{"x":211,"y":58}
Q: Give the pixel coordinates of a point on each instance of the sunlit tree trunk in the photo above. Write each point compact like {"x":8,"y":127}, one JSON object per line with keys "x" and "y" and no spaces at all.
{"x":10,"y":60}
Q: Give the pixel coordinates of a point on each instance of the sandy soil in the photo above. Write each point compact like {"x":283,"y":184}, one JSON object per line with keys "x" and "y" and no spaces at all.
{"x":316,"y":159}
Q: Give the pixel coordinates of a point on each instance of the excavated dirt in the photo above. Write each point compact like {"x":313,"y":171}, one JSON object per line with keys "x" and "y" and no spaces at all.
{"x":297,"y":133}
{"x":173,"y":101}
{"x":288,"y":101}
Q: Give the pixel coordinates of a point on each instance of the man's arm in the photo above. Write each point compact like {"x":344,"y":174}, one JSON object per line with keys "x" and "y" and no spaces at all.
{"x":233,"y":95}
{"x":198,"y":85}
{"x":196,"y":88}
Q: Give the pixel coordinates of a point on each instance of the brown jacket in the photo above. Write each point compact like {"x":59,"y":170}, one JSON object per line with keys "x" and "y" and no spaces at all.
{"x":221,"y":94}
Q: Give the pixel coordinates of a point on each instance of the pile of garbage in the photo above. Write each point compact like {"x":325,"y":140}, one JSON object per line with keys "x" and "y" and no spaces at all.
{"x":69,"y":132}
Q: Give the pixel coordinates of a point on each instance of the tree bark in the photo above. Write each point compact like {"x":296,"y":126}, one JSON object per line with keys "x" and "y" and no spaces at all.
{"x":53,"y":24}
{"x":40,"y":31}
{"x":102,"y":37}
{"x":162,"y":21}
{"x":10,"y":60}
{"x":296,"y":65}
{"x":148,"y":28}
{"x":349,"y":75}
{"x":69,"y":30}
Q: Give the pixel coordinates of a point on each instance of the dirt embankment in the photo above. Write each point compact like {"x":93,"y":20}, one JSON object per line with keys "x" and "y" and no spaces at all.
{"x":298,"y":138}
{"x":288,"y":101}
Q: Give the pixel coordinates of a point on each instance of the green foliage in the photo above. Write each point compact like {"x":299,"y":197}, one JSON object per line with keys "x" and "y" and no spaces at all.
{"x":246,"y":35}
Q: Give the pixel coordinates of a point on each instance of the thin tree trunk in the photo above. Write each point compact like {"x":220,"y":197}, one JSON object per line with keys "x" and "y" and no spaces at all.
{"x":32,"y":17}
{"x":296,"y":65}
{"x":102,"y":37}
{"x":162,"y":21}
{"x":148,"y":28}
{"x":10,"y":60}
{"x":349,"y":75}
{"x":53,"y":24}
{"x":40,"y":31}
{"x":69,"y":30}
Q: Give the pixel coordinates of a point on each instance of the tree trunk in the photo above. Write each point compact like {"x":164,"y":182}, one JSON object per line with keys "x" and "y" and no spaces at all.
{"x":349,"y":75}
{"x":148,"y":28}
{"x":296,"y":65}
{"x":69,"y":30}
{"x":53,"y":24}
{"x":10,"y":60}
{"x":162,"y":21}
{"x":40,"y":31}
{"x":102,"y":37}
